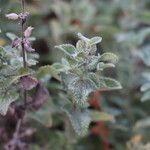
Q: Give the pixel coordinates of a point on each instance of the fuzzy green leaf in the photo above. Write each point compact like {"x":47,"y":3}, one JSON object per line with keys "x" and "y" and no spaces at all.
{"x":101,"y":65}
{"x":80,"y":89}
{"x":11,"y":36}
{"x":67,"y":78}
{"x":80,"y":121}
{"x":109,"y":84}
{"x":61,"y":67}
{"x":95,"y":40}
{"x":68,"y":49}
{"x":50,"y":70}
{"x":104,"y":83}
{"x":92,"y":62}
{"x":6,"y":100}
{"x":108,"y":57}
{"x":80,"y":46}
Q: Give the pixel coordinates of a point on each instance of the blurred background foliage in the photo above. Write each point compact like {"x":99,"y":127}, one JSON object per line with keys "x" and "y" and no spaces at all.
{"x":124,"y":26}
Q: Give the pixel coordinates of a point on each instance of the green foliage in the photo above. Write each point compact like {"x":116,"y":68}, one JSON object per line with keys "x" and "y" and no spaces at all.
{"x":8,"y":73}
{"x":126,"y":22}
{"x":80,"y":120}
{"x":80,"y":73}
{"x":47,"y":70}
{"x":145,"y":56}
{"x":11,"y":70}
{"x":6,"y":99}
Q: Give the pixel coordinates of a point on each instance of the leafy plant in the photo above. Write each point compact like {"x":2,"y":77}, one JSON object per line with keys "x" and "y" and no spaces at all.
{"x":81,"y":74}
{"x":17,"y":78}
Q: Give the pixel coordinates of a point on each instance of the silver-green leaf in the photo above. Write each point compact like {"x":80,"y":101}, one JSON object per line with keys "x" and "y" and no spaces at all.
{"x":108,"y":57}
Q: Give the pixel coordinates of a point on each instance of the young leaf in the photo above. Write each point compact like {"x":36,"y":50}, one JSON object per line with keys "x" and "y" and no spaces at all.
{"x":50,"y":70}
{"x":61,"y":67}
{"x":92,"y":62}
{"x":101,"y":65}
{"x":110,"y":84}
{"x":83,"y":38}
{"x":108,"y":57}
{"x":67,"y":78}
{"x":95,"y":40}
{"x":68,"y":49}
{"x":80,"y":46}
{"x":104,"y":83}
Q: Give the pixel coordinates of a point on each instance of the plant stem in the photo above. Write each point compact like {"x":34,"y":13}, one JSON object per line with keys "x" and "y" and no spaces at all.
{"x":19,"y":123}
{"x":22,"y":35}
{"x":23,"y":49}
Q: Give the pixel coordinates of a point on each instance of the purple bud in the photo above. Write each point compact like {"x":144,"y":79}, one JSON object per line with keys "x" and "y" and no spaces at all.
{"x":23,"y":16}
{"x":16,"y":42}
{"x":28,"y":82}
{"x":12,"y":16}
{"x":28,"y":32}
{"x":28,"y":46}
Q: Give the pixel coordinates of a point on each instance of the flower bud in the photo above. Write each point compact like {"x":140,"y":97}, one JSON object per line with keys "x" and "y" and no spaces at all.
{"x":23,"y":15}
{"x":12,"y":16}
{"x":16,"y":42}
{"x":28,"y":32}
{"x":28,"y":46}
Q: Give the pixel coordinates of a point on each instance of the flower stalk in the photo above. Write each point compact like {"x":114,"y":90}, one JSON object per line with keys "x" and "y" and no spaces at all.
{"x":26,"y":82}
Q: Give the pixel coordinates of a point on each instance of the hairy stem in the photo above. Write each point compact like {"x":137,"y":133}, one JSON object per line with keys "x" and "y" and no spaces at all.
{"x":23,"y":49}
{"x":22,"y":35}
{"x":19,"y":123}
